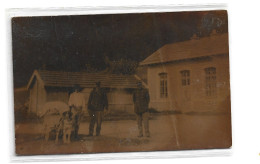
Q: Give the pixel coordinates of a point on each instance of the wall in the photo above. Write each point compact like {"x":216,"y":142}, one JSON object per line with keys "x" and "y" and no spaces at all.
{"x":86,"y":92}
{"x":119,"y":100}
{"x":54,"y":95}
{"x":37,"y":96}
{"x":42,"y":96}
{"x":33,"y":97}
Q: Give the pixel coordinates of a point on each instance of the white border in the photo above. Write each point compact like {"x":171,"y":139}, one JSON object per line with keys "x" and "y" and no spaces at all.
{"x":54,"y":11}
{"x":125,"y":156}
{"x":91,"y":11}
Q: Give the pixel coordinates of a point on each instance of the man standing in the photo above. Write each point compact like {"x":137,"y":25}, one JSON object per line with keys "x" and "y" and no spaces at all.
{"x":76,"y":104}
{"x":96,"y":104}
{"x":141,"y":100}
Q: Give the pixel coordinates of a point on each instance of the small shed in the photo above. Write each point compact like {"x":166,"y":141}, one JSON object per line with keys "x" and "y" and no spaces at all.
{"x":45,"y":86}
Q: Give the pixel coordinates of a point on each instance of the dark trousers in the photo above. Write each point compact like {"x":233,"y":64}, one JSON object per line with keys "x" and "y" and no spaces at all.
{"x":95,"y":118}
{"x":76,"y":115}
{"x":143,"y":119}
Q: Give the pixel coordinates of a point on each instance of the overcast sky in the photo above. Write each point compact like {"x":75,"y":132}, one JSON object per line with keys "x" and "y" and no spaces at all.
{"x":68,"y":43}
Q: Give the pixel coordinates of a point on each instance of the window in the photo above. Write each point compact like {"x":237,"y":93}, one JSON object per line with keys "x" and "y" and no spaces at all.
{"x":185,"y":77}
{"x":211,"y":85}
{"x":163,"y":85}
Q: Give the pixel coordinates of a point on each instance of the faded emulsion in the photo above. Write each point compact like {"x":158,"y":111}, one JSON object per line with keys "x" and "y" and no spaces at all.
{"x":121,"y":82}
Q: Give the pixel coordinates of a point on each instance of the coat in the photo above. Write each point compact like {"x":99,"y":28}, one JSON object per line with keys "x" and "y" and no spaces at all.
{"x":97,"y":100}
{"x":141,"y":100}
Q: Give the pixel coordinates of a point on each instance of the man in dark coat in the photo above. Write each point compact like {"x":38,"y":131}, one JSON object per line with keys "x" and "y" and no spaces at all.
{"x":141,"y":100}
{"x":96,"y":104}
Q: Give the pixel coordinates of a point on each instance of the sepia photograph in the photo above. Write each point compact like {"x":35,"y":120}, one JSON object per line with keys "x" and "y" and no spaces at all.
{"x":132,"y":82}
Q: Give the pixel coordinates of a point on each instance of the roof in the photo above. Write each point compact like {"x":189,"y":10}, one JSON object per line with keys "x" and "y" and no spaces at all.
{"x":85,"y":80}
{"x":195,"y":48}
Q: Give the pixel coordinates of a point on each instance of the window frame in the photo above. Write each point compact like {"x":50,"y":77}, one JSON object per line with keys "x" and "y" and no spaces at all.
{"x":163,"y":84}
{"x":210,"y":81}
{"x":185,"y":78}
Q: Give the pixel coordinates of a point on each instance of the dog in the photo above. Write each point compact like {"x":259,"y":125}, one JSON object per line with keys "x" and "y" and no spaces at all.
{"x":52,"y":121}
{"x":67,"y":126}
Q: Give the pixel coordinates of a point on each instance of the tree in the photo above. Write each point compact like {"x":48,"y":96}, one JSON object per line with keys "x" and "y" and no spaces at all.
{"x":121,"y":66}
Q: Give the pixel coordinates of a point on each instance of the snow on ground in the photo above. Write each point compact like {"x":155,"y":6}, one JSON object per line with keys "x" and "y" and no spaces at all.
{"x":168,"y":132}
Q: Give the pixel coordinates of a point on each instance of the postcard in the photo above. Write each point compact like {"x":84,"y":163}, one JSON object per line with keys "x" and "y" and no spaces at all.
{"x":129,"y":82}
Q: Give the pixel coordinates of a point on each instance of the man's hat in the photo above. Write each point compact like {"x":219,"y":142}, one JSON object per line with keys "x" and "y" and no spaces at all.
{"x":98,"y":83}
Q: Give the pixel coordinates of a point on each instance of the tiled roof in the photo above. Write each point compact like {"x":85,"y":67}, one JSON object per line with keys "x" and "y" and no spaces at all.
{"x":195,"y":48}
{"x":85,"y":80}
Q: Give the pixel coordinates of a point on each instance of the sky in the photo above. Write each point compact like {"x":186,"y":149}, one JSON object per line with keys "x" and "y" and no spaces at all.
{"x":70,"y":43}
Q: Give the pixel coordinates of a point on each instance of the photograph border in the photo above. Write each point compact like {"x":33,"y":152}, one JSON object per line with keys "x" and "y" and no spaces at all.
{"x":10,"y":13}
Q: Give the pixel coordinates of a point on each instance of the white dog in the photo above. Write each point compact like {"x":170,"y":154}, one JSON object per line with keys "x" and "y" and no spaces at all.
{"x":67,"y":126}
{"x":52,"y":121}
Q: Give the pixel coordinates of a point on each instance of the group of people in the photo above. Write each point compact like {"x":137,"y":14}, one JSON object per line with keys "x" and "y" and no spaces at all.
{"x":98,"y":105}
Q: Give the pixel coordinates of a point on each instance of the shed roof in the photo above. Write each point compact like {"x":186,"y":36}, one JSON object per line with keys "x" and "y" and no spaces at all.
{"x":195,"y":48}
{"x":85,"y":80}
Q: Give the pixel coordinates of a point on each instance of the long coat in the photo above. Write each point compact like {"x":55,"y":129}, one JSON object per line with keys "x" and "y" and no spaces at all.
{"x":97,"y":100}
{"x":141,"y":100}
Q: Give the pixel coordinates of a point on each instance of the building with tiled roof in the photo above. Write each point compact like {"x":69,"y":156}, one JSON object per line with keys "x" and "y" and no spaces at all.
{"x":216,"y":44}
{"x":45,"y":86}
{"x":192,"y":75}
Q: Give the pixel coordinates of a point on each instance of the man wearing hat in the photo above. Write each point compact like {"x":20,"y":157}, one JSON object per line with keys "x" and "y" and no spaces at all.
{"x":76,"y":104}
{"x":141,"y":101}
{"x":96,"y":104}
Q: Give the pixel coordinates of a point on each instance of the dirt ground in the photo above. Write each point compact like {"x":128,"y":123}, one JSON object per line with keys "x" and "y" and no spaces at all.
{"x":168,"y":132}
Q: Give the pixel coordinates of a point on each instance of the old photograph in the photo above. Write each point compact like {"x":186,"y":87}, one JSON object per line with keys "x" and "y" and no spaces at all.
{"x":132,"y":82}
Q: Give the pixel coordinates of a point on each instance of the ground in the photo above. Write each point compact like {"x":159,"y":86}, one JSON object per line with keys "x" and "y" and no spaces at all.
{"x":168,"y":132}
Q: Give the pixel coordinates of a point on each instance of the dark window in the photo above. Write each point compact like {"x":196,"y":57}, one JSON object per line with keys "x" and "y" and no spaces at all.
{"x":211,"y":84}
{"x":163,"y":85}
{"x":185,"y":77}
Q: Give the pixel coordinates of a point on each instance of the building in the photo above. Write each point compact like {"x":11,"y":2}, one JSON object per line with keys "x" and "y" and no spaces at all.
{"x":191,"y":75}
{"x":45,"y":86}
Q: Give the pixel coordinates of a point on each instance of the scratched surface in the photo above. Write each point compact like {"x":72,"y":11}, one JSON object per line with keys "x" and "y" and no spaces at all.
{"x":192,"y":132}
{"x":73,"y":46}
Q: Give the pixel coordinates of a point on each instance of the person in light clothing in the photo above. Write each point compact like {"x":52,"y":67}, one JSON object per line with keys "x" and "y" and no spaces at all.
{"x":77,"y":104}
